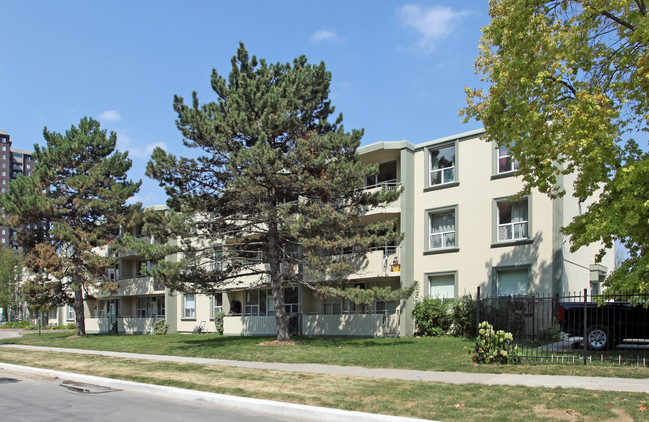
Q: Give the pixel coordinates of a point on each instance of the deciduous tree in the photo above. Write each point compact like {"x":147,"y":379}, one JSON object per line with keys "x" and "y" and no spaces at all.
{"x":71,"y":207}
{"x":568,"y":90}
{"x":277,"y":191}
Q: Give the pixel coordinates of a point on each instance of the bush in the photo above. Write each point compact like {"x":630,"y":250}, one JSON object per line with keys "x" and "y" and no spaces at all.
{"x":432,"y":317}
{"x":464,"y":316}
{"x":494,"y":346}
{"x":218,"y":322}
{"x":160,"y":327}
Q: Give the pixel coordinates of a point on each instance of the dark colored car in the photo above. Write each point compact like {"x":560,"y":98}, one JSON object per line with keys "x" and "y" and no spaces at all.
{"x":606,"y":325}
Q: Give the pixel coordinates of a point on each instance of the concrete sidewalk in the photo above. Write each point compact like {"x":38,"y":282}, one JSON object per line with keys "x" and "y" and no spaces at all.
{"x":589,"y":383}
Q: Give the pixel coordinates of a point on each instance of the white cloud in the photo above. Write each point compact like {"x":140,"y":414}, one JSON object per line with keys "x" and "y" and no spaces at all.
{"x":433,"y":23}
{"x":109,"y":116}
{"x":147,"y":150}
{"x":324,"y":35}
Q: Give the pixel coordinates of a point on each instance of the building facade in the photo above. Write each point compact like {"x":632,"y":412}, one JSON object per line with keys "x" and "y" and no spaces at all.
{"x":463,"y":228}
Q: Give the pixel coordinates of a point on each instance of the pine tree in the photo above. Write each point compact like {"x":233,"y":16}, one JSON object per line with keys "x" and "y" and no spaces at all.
{"x":11,"y":271}
{"x":71,"y":207}
{"x":278,"y":189}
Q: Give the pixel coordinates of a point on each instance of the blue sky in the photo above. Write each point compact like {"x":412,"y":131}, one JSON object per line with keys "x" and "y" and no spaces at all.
{"x":398,"y":68}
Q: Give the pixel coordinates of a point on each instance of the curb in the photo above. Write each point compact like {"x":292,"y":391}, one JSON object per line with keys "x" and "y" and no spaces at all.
{"x":234,"y":403}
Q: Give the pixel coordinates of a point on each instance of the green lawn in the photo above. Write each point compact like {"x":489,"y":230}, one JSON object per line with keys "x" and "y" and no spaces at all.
{"x":430,"y":353}
{"x":419,"y":399}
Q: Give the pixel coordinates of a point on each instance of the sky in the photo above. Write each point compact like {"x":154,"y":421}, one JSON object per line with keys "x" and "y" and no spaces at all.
{"x":398,"y":68}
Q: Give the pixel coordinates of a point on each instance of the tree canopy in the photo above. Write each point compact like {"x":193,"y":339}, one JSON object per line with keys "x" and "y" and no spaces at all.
{"x":567,"y":93}
{"x":70,"y":207}
{"x":277,"y":191}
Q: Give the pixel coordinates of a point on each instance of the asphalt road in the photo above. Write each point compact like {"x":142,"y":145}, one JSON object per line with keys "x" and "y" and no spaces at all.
{"x":32,"y":398}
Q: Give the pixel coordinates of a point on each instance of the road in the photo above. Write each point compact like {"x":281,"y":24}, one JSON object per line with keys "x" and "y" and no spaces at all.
{"x":32,"y":398}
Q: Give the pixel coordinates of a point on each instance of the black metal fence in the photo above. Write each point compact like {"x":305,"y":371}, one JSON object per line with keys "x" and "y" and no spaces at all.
{"x":574,"y":328}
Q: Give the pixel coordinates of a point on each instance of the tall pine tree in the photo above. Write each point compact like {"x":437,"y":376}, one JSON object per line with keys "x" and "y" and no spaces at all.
{"x":72,"y":205}
{"x":277,"y":191}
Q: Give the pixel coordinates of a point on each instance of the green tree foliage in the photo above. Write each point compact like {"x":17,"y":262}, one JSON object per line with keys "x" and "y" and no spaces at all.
{"x":11,"y":272}
{"x":568,"y":86}
{"x":277,"y":191}
{"x":68,"y":212}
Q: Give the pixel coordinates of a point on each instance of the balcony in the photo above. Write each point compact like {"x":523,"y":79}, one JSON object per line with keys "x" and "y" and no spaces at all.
{"x":383,"y":261}
{"x":136,"y":286}
{"x":392,"y":207}
{"x":353,"y":325}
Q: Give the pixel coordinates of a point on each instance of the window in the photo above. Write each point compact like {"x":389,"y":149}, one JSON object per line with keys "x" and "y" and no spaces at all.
{"x":141,"y":307}
{"x":71,"y":315}
{"x":442,"y":165}
{"x":29,"y":166}
{"x":441,"y":286}
{"x":512,"y":220}
{"x":512,"y":281}
{"x":4,"y":147}
{"x":441,"y":229}
{"x":333,"y":306}
{"x":506,"y":162}
{"x":217,"y":304}
{"x":252,"y":303}
{"x":386,"y":177}
{"x":189,"y":307}
{"x":386,"y":306}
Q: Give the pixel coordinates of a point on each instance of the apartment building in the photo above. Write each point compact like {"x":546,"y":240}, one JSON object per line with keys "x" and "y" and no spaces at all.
{"x":462,"y":230}
{"x":12,"y":163}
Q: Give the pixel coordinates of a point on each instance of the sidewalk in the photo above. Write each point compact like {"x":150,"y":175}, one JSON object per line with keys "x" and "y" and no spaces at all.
{"x":546,"y":381}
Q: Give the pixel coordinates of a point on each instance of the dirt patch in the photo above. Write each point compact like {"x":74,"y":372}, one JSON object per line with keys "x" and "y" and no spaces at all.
{"x":73,"y":336}
{"x":281,"y":343}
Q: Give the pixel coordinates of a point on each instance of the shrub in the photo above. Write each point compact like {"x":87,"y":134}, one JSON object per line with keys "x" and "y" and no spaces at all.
{"x":218,"y":322}
{"x":464,"y":316}
{"x":432,"y":317}
{"x":160,"y":327}
{"x":494,"y":346}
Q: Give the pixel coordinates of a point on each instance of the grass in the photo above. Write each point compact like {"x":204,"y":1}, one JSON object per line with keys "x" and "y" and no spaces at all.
{"x":405,"y":398}
{"x":428,"y":353}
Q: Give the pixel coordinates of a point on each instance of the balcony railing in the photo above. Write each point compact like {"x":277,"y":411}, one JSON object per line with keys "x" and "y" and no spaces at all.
{"x":136,"y":286}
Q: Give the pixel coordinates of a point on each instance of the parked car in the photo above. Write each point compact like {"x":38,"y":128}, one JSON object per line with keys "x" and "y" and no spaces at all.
{"x":606,"y":325}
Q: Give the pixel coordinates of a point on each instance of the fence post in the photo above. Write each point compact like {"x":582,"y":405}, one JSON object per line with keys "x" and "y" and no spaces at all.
{"x":585,"y":322}
{"x":477,"y":302}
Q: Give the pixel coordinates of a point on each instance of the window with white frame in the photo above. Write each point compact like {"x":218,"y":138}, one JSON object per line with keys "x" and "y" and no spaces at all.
{"x":506,"y":162}
{"x":512,"y":220}
{"x":441,"y":286}
{"x":217,"y":304}
{"x":441,"y":229}
{"x":252,"y":303}
{"x":71,"y":315}
{"x":189,"y":306}
{"x":442,"y":165}
{"x":512,"y":281}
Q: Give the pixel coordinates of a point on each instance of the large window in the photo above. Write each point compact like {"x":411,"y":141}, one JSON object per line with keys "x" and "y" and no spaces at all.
{"x":442,"y":165}
{"x":189,"y":306}
{"x":441,"y":286}
{"x":441,"y":229}
{"x":217,"y":304}
{"x":71,"y":314}
{"x":386,"y":177}
{"x":512,"y":220}
{"x":260,"y":302}
{"x":506,"y":162}
{"x":512,"y":281}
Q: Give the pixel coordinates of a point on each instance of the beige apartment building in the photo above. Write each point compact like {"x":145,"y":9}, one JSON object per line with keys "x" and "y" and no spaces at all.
{"x":462,"y":231}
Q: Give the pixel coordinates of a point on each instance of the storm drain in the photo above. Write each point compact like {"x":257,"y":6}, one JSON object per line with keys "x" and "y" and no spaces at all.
{"x":5,"y":380}
{"x":82,"y":387}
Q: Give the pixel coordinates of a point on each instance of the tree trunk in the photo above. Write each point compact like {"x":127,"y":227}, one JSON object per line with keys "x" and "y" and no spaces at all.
{"x":274,"y":258}
{"x":78,"y":311}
